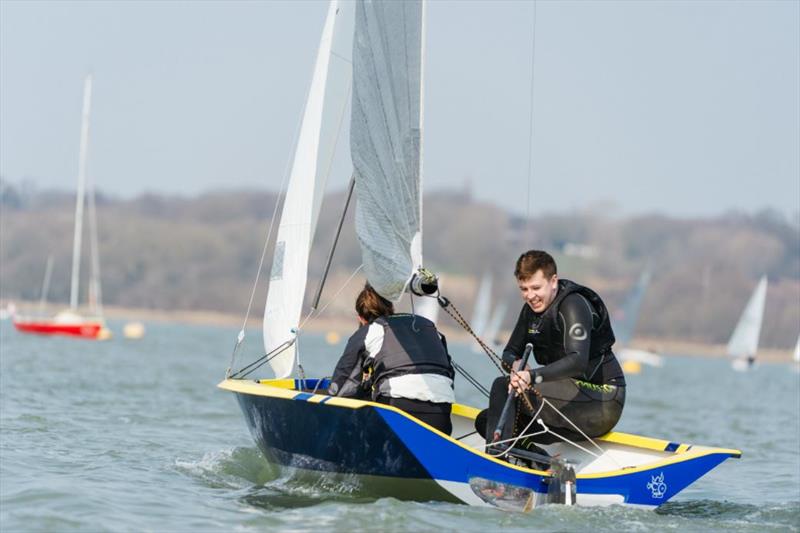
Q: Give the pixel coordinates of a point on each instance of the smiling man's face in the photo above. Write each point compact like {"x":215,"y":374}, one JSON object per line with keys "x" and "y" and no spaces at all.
{"x":538,"y":291}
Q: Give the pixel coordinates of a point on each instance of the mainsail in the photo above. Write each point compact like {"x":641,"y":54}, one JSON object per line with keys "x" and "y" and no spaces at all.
{"x":744,"y":341}
{"x":322,"y":118}
{"x":386,"y":141}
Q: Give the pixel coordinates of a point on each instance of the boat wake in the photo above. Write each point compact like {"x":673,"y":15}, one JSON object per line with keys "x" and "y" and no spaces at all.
{"x":262,"y":484}
{"x":236,"y":468}
{"x":777,"y":516}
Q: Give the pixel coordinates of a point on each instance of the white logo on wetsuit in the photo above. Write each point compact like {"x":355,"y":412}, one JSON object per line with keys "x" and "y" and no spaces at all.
{"x":577,"y":332}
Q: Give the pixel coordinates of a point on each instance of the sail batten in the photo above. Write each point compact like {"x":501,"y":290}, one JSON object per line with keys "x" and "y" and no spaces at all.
{"x":385,"y":141}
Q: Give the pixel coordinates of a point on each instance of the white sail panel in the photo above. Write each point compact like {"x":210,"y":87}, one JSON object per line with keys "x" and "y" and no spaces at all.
{"x":480,"y":313}
{"x":796,"y":354}
{"x":491,"y":336}
{"x":322,"y":118}
{"x":385,"y":141}
{"x":744,"y":341}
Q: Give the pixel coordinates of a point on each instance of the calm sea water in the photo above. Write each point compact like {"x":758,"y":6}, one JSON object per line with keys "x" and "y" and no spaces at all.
{"x":133,"y":436}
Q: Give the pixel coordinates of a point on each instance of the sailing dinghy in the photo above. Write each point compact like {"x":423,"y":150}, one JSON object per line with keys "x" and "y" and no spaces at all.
{"x":71,"y":322}
{"x":743,"y":345}
{"x":377,"y":447}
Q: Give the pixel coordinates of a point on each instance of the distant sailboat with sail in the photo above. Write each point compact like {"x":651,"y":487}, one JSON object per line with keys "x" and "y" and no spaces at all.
{"x":743,"y":344}
{"x":492,"y":334}
{"x":480,"y":313}
{"x":381,"y":448}
{"x":486,"y":322}
{"x":71,"y":322}
{"x":625,"y":326}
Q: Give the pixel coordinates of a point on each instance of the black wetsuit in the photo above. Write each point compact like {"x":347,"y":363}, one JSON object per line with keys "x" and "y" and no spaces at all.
{"x":399,"y":345}
{"x":580,"y":375}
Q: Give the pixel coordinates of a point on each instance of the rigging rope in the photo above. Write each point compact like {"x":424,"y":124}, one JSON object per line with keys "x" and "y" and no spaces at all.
{"x":530,"y":118}
{"x":312,"y":315}
{"x":261,"y":360}
{"x":246,"y":370}
{"x":446,"y":304}
{"x":471,"y":379}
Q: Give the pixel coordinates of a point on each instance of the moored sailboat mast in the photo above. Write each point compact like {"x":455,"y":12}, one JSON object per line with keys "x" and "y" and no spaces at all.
{"x":79,"y":200}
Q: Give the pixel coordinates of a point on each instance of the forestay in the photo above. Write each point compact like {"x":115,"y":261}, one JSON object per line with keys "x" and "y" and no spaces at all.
{"x":322,"y":118}
{"x":386,"y":140}
{"x":744,"y":341}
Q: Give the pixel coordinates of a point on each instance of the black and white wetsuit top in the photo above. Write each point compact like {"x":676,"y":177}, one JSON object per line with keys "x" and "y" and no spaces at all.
{"x":408,"y":358}
{"x":572,"y":338}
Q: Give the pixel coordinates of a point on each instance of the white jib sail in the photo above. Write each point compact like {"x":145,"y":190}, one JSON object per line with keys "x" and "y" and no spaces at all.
{"x":480,"y":313}
{"x":796,"y":354}
{"x":744,"y":341}
{"x":316,"y":143}
{"x":386,"y":141}
{"x":78,"y":232}
{"x":492,"y":333}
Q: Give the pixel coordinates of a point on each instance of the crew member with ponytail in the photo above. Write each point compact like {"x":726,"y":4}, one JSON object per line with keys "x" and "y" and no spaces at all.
{"x":397,"y":359}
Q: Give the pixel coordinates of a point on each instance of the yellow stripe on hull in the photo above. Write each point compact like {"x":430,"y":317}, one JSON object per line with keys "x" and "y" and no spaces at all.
{"x":284,"y":388}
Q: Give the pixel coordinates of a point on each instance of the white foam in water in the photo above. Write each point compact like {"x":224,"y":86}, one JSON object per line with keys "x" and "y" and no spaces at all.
{"x":209,"y":462}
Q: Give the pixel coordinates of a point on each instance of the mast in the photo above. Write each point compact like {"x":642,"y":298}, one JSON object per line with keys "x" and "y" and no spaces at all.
{"x":417,"y":253}
{"x":84,"y":148}
{"x":95,"y":292}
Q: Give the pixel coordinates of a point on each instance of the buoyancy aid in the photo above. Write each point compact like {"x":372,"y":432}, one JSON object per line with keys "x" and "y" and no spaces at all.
{"x":545,"y":331}
{"x":411,"y":345}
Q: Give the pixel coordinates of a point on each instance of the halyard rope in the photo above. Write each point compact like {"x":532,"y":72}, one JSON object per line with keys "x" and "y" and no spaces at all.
{"x":447,"y":305}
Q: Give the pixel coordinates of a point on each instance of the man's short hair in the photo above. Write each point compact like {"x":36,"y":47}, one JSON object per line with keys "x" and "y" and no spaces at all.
{"x":533,"y":261}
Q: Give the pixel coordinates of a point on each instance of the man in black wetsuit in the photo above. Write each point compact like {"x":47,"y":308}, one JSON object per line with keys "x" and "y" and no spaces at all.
{"x":569,"y":327}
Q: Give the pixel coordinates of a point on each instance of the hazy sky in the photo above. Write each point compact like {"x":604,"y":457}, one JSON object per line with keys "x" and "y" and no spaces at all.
{"x":687,"y":108}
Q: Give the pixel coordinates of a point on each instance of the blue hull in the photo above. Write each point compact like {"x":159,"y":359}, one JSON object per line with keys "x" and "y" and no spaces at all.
{"x":400,"y":456}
